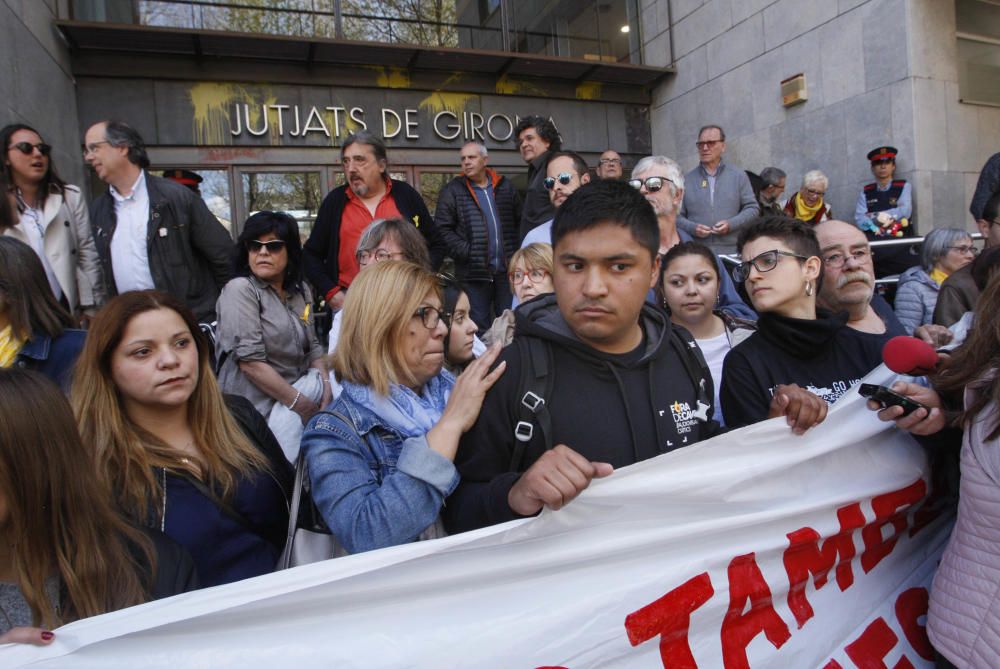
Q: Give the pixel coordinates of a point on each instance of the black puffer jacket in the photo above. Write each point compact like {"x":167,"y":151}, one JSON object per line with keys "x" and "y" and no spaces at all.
{"x":461,"y":221}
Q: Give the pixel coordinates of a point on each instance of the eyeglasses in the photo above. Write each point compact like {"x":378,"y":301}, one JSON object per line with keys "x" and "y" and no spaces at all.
{"x":837,"y":260}
{"x":652,"y":184}
{"x":764,"y":262}
{"x":610,"y":161}
{"x":429,"y":316}
{"x":27,"y":148}
{"x":709,"y":143}
{"x":965,"y":249}
{"x":378,"y":254}
{"x":816,"y":193}
{"x":518,"y":276}
{"x":92,"y":147}
{"x":564,"y":179}
{"x":273,"y":246}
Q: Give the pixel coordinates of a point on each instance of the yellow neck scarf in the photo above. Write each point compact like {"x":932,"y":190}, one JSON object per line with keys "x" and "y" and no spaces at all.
{"x":9,"y":347}
{"x":938,"y":275}
{"x":804,"y":212}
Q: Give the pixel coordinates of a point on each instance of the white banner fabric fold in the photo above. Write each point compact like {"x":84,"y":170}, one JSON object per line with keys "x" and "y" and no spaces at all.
{"x":757,"y":549}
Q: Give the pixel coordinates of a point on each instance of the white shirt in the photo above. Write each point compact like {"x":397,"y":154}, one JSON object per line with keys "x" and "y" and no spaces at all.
{"x":130,"y":258}
{"x":715,"y":349}
{"x":34,"y":225}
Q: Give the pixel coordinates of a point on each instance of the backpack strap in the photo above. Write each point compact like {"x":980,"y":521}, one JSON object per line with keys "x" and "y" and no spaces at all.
{"x":695,"y":366}
{"x":532,"y":408}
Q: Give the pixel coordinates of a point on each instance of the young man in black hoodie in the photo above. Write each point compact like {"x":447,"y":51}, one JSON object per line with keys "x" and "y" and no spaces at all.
{"x":620,"y":384}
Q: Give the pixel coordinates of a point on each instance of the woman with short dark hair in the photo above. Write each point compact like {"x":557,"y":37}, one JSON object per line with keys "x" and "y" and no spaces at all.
{"x":266,"y":333}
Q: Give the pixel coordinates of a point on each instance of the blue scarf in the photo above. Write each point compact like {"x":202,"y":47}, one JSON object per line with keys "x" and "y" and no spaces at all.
{"x":403,"y":410}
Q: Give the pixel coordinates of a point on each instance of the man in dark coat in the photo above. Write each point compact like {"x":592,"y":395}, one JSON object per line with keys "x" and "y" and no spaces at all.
{"x":477,"y":216}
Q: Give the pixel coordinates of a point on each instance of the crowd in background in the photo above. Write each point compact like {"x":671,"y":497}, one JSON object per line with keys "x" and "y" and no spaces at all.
{"x":161,"y":384}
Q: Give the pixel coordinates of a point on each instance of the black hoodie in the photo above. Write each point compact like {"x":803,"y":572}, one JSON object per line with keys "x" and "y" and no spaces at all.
{"x":611,"y":408}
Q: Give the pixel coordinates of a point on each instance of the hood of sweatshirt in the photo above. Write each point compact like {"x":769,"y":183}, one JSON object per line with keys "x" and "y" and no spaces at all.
{"x":541,"y":318}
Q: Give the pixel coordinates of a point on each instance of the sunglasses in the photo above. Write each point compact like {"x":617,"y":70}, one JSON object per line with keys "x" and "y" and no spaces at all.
{"x":564,"y":179}
{"x":652,"y":184}
{"x":27,"y":148}
{"x":273,"y":246}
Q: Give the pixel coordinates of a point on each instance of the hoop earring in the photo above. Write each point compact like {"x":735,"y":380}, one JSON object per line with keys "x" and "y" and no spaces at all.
{"x":809,"y":288}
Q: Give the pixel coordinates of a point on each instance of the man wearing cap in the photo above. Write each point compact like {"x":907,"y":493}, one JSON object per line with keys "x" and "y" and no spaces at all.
{"x":185,"y":178}
{"x":893,"y":199}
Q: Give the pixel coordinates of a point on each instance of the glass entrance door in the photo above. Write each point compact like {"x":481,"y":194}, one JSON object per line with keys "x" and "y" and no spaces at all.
{"x":296,"y":191}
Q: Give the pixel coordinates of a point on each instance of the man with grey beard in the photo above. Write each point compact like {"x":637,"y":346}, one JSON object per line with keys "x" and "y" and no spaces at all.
{"x":849,"y":285}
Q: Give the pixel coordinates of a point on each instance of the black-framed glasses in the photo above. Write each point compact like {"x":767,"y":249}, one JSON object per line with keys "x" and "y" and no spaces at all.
{"x":92,"y":147}
{"x":965,"y":249}
{"x":430,"y":316}
{"x":764,"y":262}
{"x":564,"y":178}
{"x":518,"y":276}
{"x":708,"y":143}
{"x":652,"y":184}
{"x":837,"y":260}
{"x":378,"y":255}
{"x":273,"y":246}
{"x":27,"y":148}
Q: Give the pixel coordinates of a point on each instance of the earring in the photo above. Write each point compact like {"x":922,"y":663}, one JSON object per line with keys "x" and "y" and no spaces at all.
{"x":809,"y":288}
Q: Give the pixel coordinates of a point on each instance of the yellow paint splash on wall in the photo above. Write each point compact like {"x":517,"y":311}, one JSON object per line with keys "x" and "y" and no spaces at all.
{"x":507,"y":86}
{"x":391,"y":77}
{"x":214,"y":106}
{"x":588,"y":90}
{"x":439,"y":102}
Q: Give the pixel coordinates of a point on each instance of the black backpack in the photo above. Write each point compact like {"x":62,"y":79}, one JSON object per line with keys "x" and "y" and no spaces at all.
{"x":537,"y":378}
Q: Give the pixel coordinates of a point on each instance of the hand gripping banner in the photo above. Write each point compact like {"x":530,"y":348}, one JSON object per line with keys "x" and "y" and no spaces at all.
{"x":756,"y":549}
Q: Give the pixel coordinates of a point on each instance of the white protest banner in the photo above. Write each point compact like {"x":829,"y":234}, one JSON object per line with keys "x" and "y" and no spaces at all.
{"x":755,"y":549}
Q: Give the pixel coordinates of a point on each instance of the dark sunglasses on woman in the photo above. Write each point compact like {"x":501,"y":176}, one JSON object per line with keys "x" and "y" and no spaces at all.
{"x":273,"y":246}
{"x":27,"y":148}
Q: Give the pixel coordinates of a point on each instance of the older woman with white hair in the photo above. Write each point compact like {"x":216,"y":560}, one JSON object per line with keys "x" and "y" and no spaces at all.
{"x":945,"y":250}
{"x":809,"y":203}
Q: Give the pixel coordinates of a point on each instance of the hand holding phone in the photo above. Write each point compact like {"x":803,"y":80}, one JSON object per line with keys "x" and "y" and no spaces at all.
{"x":888,"y":397}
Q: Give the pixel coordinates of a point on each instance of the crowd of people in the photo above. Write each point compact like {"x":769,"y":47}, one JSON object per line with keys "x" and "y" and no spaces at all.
{"x":162,"y":383}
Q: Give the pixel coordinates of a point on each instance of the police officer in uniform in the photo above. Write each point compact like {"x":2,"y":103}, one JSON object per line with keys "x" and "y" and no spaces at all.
{"x":185,"y":178}
{"x":894,"y":199}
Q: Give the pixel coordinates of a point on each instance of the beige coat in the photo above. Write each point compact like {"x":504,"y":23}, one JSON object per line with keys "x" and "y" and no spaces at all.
{"x":70,"y":249}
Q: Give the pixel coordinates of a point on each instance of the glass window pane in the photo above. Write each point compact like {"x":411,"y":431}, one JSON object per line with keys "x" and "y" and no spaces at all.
{"x":596,"y":30}
{"x":978,"y":71}
{"x":978,"y":18}
{"x":423,"y":22}
{"x":305,"y":18}
{"x":431,"y":184}
{"x":295,"y":193}
{"x":214,"y":190}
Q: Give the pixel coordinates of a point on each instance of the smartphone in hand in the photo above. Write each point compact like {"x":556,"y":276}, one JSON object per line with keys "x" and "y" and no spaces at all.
{"x":890,"y":398}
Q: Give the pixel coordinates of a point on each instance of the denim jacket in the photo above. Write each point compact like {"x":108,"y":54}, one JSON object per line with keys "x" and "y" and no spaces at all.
{"x":373,"y":487}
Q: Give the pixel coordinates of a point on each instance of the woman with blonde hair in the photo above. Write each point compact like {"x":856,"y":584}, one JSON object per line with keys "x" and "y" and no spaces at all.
{"x":380,"y":459}
{"x":65,"y":552}
{"x":530,"y":276}
{"x":180,"y":457}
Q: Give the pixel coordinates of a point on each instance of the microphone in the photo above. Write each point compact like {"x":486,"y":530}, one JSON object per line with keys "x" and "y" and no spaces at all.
{"x":910,"y":356}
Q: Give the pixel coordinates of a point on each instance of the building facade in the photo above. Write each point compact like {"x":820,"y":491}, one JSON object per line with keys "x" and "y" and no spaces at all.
{"x":257,"y":96}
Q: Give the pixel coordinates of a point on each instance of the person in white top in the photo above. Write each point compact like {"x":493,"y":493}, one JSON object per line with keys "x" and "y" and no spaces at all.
{"x":153,"y":232}
{"x":51,"y":218}
{"x":689,"y":291}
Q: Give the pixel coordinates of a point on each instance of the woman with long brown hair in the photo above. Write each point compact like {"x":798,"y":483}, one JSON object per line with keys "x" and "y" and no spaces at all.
{"x":65,"y":552}
{"x":180,"y":456}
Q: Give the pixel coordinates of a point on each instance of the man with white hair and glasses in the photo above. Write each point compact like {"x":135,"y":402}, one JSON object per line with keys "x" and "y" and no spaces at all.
{"x":660,"y":180}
